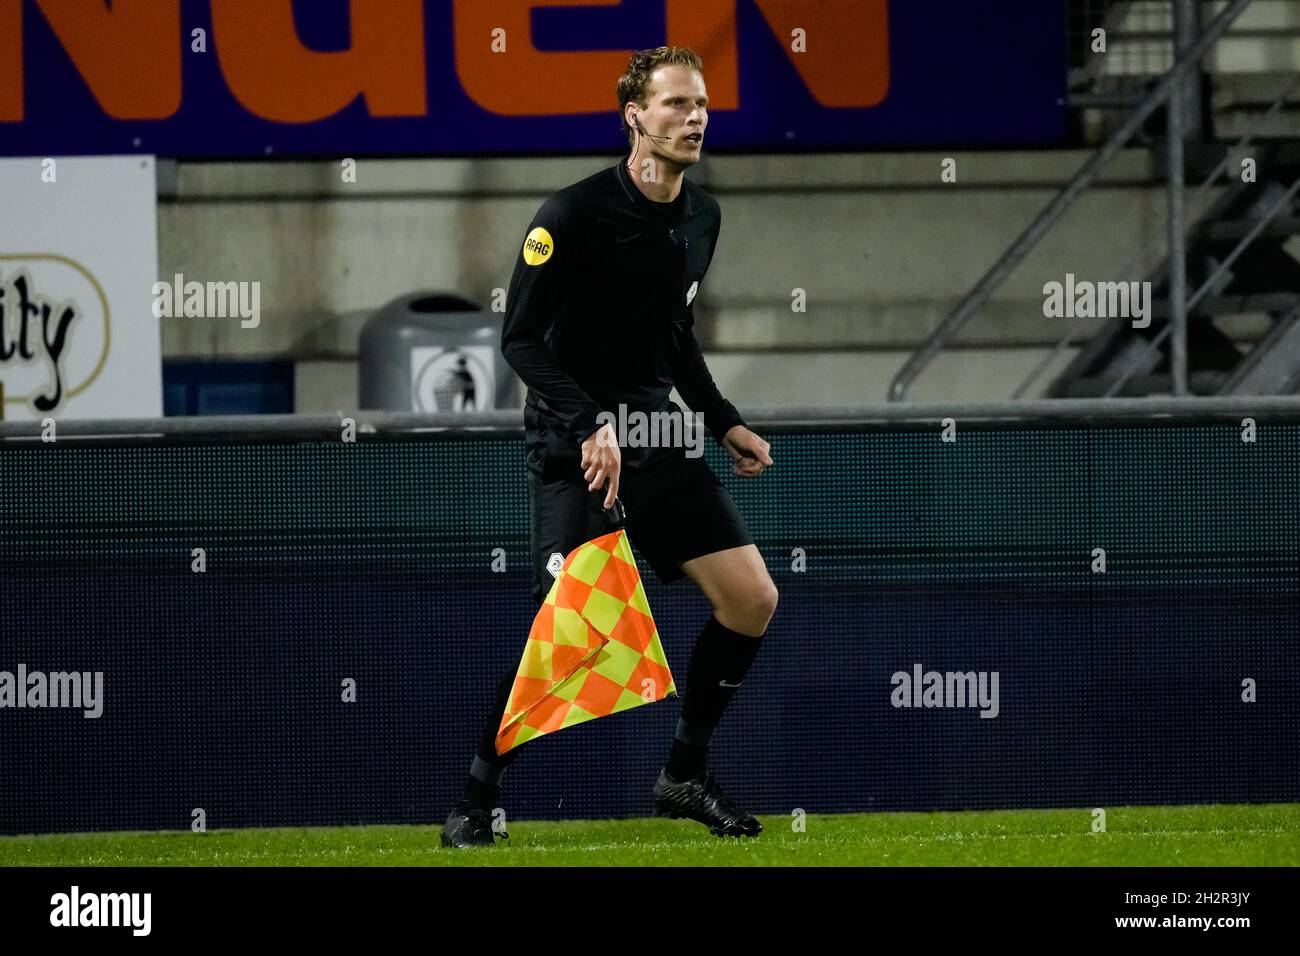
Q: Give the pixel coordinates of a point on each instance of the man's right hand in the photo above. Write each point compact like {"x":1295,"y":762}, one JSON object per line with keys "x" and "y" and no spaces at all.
{"x":601,"y":461}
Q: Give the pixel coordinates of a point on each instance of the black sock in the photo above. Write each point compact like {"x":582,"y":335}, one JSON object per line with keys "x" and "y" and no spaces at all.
{"x":718,"y":665}
{"x":483,"y":784}
{"x":685,"y":760}
{"x":480,"y":794}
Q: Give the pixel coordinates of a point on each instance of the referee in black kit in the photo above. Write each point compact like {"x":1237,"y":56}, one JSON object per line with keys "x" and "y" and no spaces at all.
{"x":599,"y":318}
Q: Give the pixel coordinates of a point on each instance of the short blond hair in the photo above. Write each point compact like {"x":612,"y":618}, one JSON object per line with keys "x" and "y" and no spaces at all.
{"x":632,"y":84}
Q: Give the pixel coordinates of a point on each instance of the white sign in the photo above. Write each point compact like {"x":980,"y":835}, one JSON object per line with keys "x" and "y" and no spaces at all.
{"x":452,"y":380}
{"x":78,"y":260}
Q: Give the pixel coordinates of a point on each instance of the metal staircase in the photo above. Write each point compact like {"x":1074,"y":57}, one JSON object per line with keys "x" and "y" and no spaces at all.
{"x":1230,"y":255}
{"x":1237,"y":264}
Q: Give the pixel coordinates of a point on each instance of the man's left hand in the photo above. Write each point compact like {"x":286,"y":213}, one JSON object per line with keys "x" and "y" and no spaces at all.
{"x":749,"y":453}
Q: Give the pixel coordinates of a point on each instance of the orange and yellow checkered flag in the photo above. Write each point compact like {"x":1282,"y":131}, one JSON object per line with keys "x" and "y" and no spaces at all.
{"x":593,"y":649}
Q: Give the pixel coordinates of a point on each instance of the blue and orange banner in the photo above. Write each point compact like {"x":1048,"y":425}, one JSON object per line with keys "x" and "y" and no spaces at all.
{"x":214,"y":78}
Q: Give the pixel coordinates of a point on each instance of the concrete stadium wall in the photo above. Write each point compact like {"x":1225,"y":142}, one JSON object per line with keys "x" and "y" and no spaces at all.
{"x":882,"y":248}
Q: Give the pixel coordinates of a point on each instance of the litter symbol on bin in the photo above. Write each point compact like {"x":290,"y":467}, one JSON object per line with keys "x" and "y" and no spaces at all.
{"x":451,"y":380}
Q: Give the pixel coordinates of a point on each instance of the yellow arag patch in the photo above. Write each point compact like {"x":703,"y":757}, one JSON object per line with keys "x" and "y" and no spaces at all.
{"x":538,"y":247}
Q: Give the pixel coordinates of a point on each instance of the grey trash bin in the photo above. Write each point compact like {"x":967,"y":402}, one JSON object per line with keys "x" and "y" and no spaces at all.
{"x":434,"y":352}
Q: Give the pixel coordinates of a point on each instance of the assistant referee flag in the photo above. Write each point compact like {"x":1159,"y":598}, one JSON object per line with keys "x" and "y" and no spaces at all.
{"x":593,"y":649}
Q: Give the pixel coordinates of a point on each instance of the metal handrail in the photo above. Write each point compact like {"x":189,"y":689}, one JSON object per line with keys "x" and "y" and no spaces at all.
{"x":1084,"y":178}
{"x":1250,"y":361}
{"x":413,"y":425}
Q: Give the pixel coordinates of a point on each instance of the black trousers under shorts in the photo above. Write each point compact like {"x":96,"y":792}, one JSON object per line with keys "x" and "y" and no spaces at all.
{"x":676,"y":509}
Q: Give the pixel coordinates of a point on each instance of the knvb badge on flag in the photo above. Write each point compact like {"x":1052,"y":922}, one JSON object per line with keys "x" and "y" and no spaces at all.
{"x":593,"y":649}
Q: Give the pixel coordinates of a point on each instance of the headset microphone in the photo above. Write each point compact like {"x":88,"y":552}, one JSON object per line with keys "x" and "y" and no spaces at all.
{"x":636,"y":119}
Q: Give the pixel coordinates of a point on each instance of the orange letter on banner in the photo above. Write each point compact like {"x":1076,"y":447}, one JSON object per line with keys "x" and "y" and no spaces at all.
{"x":847,"y":59}
{"x":274,"y":76}
{"x":11,"y":61}
{"x":523,"y":80}
{"x":710,"y":30}
{"x":129,"y":56}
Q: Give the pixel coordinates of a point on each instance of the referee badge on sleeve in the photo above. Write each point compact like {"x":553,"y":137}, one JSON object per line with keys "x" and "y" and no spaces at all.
{"x":538,"y":247}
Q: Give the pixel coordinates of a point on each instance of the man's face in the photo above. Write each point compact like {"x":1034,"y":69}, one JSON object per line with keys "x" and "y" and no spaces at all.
{"x":676,"y":107}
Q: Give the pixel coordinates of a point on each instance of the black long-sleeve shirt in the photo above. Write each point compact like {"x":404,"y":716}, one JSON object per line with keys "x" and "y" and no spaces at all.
{"x":600,"y":312}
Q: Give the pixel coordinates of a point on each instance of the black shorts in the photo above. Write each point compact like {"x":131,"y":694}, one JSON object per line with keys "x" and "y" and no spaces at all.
{"x":676,"y":509}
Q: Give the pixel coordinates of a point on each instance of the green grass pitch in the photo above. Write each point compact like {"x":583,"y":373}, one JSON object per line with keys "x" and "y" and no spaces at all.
{"x":1255,"y":835}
